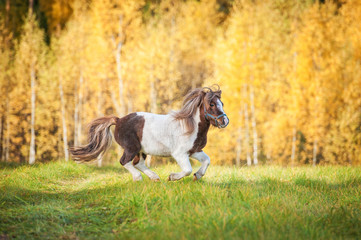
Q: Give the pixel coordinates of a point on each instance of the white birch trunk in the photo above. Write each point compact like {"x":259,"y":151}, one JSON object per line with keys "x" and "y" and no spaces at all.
{"x":76,"y":116}
{"x":153,"y":97}
{"x":293,"y":154}
{"x":32,"y":124}
{"x":153,"y":107}
{"x":117,"y":53}
{"x":268,"y":157}
{"x":254,"y":127}
{"x":172,"y":81}
{"x":246,"y":119}
{"x":63,"y":120}
{"x":148,"y":160}
{"x":129,"y":104}
{"x":99,"y":111}
{"x":100,"y":160}
{"x":7,"y":143}
{"x":78,"y":100}
{"x":79,"y":128}
{"x":115,"y":103}
{"x":246,"y":125}
{"x":6,"y":140}
{"x":239,"y":146}
{"x":314,"y":159}
{"x":120,"y":80}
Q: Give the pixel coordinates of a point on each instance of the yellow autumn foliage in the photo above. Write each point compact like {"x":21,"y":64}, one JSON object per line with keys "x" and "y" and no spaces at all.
{"x":290,"y":74}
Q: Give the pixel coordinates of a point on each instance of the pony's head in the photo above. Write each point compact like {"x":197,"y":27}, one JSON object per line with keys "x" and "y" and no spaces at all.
{"x":213,"y":107}
{"x":208,"y":101}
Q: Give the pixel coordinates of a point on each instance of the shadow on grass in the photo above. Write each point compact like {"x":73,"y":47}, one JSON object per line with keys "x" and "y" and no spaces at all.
{"x":116,"y":168}
{"x":11,"y":165}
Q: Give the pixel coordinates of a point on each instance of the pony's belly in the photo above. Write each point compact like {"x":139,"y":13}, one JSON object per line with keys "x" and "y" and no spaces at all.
{"x":152,"y":146}
{"x":156,"y":150}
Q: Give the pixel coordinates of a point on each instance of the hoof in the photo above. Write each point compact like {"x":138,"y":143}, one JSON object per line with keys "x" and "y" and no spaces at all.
{"x":156,"y":180}
{"x":171,"y":177}
{"x":195,"y":177}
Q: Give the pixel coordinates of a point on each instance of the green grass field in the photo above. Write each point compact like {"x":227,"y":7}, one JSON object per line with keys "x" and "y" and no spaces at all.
{"x":68,"y":201}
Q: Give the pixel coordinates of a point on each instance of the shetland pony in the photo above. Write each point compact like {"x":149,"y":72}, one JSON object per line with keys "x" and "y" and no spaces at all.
{"x":180,"y":134}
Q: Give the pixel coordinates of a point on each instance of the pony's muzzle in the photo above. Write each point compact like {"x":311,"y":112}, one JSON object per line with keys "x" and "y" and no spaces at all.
{"x":223,"y":121}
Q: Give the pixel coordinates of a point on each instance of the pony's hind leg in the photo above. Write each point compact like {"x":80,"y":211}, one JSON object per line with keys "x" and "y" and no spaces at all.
{"x":139,"y":163}
{"x":183,"y":162}
{"x":126,"y":161}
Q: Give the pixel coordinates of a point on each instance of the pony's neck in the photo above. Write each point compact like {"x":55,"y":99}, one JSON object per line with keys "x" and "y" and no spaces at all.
{"x":204,"y":124}
{"x":203,"y":127}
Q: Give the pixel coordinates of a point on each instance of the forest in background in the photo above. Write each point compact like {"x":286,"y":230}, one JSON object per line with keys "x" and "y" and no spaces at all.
{"x":290,"y":73}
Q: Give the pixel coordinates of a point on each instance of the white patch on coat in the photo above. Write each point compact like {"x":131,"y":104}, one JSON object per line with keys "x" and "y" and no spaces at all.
{"x":165,"y":136}
{"x":135,"y":173}
{"x":220,"y":107}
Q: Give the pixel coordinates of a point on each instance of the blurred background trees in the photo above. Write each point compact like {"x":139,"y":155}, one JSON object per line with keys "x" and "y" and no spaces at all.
{"x":290,"y":72}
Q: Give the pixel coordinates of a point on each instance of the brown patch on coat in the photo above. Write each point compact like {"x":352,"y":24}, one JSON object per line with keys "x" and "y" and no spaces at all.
{"x":201,"y":140}
{"x":128,"y":134}
{"x":136,"y":159}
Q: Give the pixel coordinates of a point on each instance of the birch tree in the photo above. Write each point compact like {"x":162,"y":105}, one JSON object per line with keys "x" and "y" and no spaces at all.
{"x":29,"y":57}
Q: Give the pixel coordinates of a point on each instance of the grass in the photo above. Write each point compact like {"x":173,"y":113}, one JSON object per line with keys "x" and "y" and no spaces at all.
{"x":67,"y":201}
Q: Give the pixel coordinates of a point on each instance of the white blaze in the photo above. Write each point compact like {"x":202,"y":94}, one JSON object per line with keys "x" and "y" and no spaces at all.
{"x":220,"y":107}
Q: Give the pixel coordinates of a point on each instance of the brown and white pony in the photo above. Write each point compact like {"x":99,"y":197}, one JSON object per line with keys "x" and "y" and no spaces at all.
{"x":180,"y":134}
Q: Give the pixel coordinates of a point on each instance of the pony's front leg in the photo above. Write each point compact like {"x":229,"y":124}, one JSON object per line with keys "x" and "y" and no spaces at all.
{"x":205,"y":160}
{"x":183,"y":162}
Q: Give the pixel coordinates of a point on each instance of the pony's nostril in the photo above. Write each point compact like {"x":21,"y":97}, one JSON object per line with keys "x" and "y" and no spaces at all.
{"x":225,"y":120}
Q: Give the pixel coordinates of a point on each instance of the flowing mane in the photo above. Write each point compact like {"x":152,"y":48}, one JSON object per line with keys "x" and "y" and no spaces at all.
{"x":191,"y":103}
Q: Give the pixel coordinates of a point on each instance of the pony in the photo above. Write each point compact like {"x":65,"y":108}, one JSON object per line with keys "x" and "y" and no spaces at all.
{"x":180,"y":134}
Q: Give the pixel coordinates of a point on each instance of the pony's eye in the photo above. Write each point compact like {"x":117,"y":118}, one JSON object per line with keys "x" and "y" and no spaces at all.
{"x":212,"y":105}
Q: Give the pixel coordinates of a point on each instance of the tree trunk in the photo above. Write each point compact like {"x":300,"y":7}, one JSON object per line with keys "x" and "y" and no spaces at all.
{"x":148,"y":160}
{"x":120,"y":81}
{"x":254,"y":127}
{"x":239,"y":143}
{"x":118,"y":52}
{"x":31,"y":6}
{"x":239,"y":146}
{"x":99,"y":111}
{"x":32,"y":126}
{"x":79,"y":128}
{"x":63,"y":120}
{"x":172,"y":82}
{"x":246,"y":126}
{"x":7,"y":139}
{"x":129,"y":104}
{"x":293,"y":154}
{"x":77,"y":110}
{"x":153,"y":97}
{"x":314,"y":159}
{"x":76,"y":116}
{"x":115,"y":103}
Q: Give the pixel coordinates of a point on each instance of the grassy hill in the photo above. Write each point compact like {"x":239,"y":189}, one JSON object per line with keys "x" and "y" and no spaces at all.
{"x":67,"y":201}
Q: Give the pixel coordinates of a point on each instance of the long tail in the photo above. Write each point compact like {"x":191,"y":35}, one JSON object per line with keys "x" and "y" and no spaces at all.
{"x":99,"y":140}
